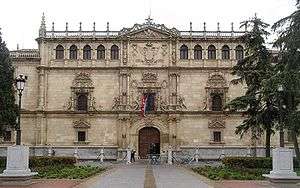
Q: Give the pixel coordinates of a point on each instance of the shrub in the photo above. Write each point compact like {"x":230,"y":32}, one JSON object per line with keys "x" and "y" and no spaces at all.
{"x":35,"y":161}
{"x":247,"y":162}
{"x":251,"y":162}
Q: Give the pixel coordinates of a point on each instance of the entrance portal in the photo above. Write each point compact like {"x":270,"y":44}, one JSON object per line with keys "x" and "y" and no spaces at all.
{"x":149,"y":141}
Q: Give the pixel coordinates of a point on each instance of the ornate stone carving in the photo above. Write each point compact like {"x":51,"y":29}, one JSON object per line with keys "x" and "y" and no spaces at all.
{"x":216,"y":124}
{"x":82,"y":80}
{"x":149,"y":52}
{"x":82,"y":84}
{"x":150,"y":77}
{"x":150,"y":29}
{"x":81,"y":124}
{"x":216,"y":80}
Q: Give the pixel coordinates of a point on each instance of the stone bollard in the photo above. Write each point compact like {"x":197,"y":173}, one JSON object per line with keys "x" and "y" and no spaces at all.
{"x":128,"y":156}
{"x":49,"y":151}
{"x":170,"y":156}
{"x":197,"y":156}
{"x":101,"y":155}
{"x":76,"y":153}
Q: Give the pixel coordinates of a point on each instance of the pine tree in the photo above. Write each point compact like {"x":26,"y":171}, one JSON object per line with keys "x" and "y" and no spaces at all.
{"x":288,"y":71}
{"x":252,"y":71}
{"x":8,"y":108}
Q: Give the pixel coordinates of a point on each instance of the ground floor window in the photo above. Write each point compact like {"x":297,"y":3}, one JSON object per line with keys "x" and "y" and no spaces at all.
{"x":81,"y":136}
{"x":217,"y":136}
{"x":7,"y":136}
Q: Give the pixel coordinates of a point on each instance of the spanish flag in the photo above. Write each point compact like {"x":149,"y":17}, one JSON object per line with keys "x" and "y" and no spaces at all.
{"x":144,"y":105}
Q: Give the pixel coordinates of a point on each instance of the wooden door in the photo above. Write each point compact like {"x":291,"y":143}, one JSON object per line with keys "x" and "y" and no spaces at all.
{"x":149,"y":137}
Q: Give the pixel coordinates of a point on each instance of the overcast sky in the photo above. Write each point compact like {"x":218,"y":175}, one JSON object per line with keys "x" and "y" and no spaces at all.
{"x":20,"y":19}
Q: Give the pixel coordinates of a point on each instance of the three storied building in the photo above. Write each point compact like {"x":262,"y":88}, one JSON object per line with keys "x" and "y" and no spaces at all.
{"x":86,"y":90}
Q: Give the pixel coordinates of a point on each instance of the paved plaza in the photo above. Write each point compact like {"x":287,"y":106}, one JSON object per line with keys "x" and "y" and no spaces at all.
{"x":146,"y":176}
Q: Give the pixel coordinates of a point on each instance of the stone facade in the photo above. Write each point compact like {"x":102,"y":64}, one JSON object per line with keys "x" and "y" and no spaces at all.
{"x":150,"y":59}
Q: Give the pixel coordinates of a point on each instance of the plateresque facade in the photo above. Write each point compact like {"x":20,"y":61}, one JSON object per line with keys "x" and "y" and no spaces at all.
{"x":85,"y":91}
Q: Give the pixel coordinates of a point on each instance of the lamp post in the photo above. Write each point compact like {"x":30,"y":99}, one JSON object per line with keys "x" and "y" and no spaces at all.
{"x":20,"y":84}
{"x":281,"y":133}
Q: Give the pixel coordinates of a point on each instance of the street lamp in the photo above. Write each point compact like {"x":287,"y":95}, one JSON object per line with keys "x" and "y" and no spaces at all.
{"x":20,"y":84}
{"x":281,"y":133}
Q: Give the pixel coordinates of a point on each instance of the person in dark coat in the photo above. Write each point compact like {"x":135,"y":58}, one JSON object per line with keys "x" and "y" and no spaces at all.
{"x":132,"y":159}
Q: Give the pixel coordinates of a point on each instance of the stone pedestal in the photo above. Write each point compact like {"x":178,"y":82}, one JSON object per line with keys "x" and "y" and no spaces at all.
{"x":17,"y":170}
{"x":170,"y":156}
{"x":283,"y":170}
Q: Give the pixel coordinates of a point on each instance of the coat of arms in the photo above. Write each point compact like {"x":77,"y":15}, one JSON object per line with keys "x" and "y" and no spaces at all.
{"x":149,"y":52}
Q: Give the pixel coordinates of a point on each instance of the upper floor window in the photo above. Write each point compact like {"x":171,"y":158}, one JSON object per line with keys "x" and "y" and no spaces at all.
{"x":150,"y":101}
{"x":225,"y":52}
{"x":59,"y":51}
{"x":184,"y":51}
{"x":217,"y":102}
{"x":101,"y":52}
{"x":239,"y":52}
{"x":114,"y":52}
{"x":211,"y":52}
{"x":197,"y":52}
{"x":87,"y":52}
{"x":73,"y":52}
{"x":82,"y":101}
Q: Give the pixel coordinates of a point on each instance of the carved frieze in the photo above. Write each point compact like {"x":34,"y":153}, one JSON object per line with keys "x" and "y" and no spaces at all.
{"x":81,"y":124}
{"x":149,"y":53}
{"x":216,"y":124}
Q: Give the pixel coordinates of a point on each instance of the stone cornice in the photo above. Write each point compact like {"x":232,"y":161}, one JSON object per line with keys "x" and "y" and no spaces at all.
{"x":133,"y":68}
{"x":186,"y":112}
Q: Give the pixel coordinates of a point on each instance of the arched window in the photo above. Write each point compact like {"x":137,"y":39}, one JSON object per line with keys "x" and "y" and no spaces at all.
{"x":216,"y":102}
{"x":73,"y":52}
{"x":87,"y":52}
{"x":114,"y":52}
{"x":184,"y":51}
{"x":225,"y":52}
{"x":239,"y":52}
{"x":59,"y":51}
{"x":82,"y":102}
{"x":101,"y":52}
{"x":211,"y":52}
{"x":197,"y":52}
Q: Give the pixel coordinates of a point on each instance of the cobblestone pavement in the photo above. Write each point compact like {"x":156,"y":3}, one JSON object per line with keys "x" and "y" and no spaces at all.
{"x":48,"y":184}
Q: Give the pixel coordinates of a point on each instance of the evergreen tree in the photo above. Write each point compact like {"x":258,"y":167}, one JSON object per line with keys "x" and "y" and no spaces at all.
{"x":252,"y":71}
{"x":8,"y":108}
{"x":288,"y":71}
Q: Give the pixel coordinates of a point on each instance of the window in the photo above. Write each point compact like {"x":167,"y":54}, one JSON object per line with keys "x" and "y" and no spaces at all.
{"x":225,"y":52}
{"x":211,"y":52}
{"x":81,"y":136}
{"x":239,"y":52}
{"x":100,"y":52}
{"x":150,"y":103}
{"x":59,"y":51}
{"x":217,"y":104}
{"x":114,"y":52}
{"x":82,"y":102}
{"x":197,"y":52}
{"x":87,"y":52}
{"x":7,"y":136}
{"x":73,"y":52}
{"x":217,"y":136}
{"x":184,"y":52}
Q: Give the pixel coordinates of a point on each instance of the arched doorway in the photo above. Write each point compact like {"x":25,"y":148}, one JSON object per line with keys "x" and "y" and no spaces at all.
{"x":149,"y":141}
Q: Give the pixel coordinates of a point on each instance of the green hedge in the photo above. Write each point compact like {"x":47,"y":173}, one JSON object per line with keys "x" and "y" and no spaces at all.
{"x":37,"y":161}
{"x":250,"y":162}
